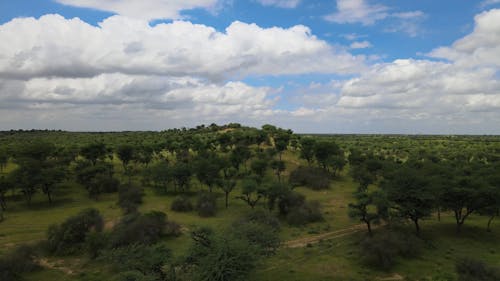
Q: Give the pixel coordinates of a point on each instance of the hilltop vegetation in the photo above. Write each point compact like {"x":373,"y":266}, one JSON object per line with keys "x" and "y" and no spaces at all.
{"x":238,"y":203}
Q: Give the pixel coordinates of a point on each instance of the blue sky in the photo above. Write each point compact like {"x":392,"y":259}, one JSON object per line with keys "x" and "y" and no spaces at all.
{"x":345,"y":66}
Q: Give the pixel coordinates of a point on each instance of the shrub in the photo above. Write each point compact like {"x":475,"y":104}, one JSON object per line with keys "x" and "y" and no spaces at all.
{"x":382,"y":250}
{"x":181,"y":204}
{"x":305,"y":213}
{"x":264,"y":236}
{"x":312,"y":177}
{"x":474,"y":270}
{"x":139,"y":229}
{"x":16,"y":262}
{"x":289,"y":201}
{"x":206,"y":205}
{"x":95,"y":243}
{"x":144,"y":262}
{"x":69,"y":237}
{"x":262,"y":217}
{"x":129,"y":198}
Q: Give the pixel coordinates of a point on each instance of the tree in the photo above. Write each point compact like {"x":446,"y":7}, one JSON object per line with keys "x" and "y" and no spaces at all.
{"x":94,"y":152}
{"x":160,"y":174}
{"x":307,"y":145}
{"x":96,"y":178}
{"x":369,"y":207}
{"x":250,"y":192}
{"x":324,"y":151}
{"x":4,"y":159}
{"x":228,"y":181}
{"x":410,"y":194}
{"x":465,"y":197}
{"x":49,"y":178}
{"x":207,"y":170}
{"x":5,"y":185}
{"x":181,"y":173}
{"x":126,"y":153}
{"x":239,"y":155}
{"x":281,"y":140}
{"x":259,"y":167}
{"x":278,"y":166}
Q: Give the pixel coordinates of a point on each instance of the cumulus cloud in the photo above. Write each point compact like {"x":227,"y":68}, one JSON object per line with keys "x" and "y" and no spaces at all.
{"x":458,"y":95}
{"x":55,"y":46}
{"x":184,"y":99}
{"x":148,"y":10}
{"x":280,"y":3}
{"x":480,"y":48}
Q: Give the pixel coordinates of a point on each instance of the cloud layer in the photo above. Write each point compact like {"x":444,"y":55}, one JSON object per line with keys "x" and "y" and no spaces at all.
{"x":125,"y":74}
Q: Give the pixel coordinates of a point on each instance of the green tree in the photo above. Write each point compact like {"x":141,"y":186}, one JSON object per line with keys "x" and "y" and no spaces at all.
{"x":410,"y":194}
{"x":251,"y":194}
{"x":307,"y":145}
{"x":94,"y":152}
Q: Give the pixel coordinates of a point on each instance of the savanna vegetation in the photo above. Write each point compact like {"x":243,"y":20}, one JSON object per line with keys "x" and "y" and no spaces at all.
{"x":237,"y":203}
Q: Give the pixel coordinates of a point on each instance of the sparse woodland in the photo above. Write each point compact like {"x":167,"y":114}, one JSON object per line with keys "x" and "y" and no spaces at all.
{"x":237,"y":203}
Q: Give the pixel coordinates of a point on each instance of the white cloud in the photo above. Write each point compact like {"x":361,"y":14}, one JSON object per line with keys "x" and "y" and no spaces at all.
{"x":148,"y":10}
{"x":54,"y":46}
{"x":280,"y":3}
{"x":361,"y":11}
{"x":360,"y":45}
{"x":154,"y":98}
{"x":480,"y":48}
{"x":358,"y":11}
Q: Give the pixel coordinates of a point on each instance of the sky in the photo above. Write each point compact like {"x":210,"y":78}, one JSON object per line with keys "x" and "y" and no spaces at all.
{"x":326,"y":66}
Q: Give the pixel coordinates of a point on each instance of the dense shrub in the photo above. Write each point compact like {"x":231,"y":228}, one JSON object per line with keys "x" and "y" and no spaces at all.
{"x":264,"y":236}
{"x":289,"y":201}
{"x":69,"y":237}
{"x":129,"y":198}
{"x":222,"y":257}
{"x":142,"y":229}
{"x":206,"y":205}
{"x":306,"y":213}
{"x":312,"y":177}
{"x":181,"y":204}
{"x":95,"y":243}
{"x":138,"y":261}
{"x":382,"y":250}
{"x":110,"y":185}
{"x":474,"y":270}
{"x":262,"y":217}
{"x":16,"y":262}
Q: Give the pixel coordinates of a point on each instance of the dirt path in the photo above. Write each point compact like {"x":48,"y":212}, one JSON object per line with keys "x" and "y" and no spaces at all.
{"x":303,"y":242}
{"x":43,"y":262}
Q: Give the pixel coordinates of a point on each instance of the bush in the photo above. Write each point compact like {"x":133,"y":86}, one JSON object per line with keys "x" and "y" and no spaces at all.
{"x":289,"y":201}
{"x":382,"y":250}
{"x":95,"y":243}
{"x":16,"y":262}
{"x":69,"y":237}
{"x":139,"y":229}
{"x":262,"y":217}
{"x":129,"y":198}
{"x":474,"y":270}
{"x":264,"y":236}
{"x":143,"y":262}
{"x":312,"y":177}
{"x":181,"y":204}
{"x":206,"y":204}
{"x":306,"y":213}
